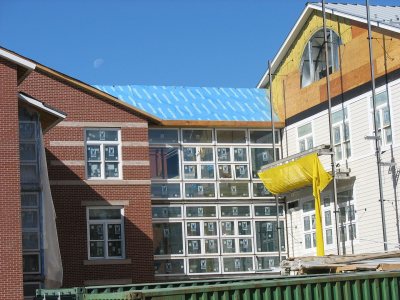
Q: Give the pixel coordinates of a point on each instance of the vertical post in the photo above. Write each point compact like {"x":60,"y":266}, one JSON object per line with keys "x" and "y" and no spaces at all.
{"x":393,"y":170}
{"x":278,"y":229}
{"x":333,"y":159}
{"x":377,"y":138}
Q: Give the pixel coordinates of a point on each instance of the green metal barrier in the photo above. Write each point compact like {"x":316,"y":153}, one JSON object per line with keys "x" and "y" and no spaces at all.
{"x":357,"y":286}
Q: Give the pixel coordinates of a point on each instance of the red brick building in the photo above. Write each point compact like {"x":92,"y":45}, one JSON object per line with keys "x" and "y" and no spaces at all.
{"x":123,"y":190}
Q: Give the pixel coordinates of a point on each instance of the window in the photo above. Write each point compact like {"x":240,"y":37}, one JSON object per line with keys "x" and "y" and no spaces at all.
{"x":231,"y":136}
{"x":347,"y":216}
{"x":313,"y":62}
{"x":198,"y":163}
{"x":164,"y":163}
{"x":105,"y":232}
{"x":167,"y":238}
{"x":163,"y":136}
{"x":261,"y":157}
{"x":305,"y":137}
{"x":382,"y":115}
{"x":309,"y":223}
{"x":267,"y":236}
{"x":197,"y":136}
{"x":103,"y":153}
{"x":341,"y":134}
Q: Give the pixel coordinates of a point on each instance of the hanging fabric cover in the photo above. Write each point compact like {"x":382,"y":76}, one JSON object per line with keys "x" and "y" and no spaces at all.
{"x":53,"y":270}
{"x":305,"y":171}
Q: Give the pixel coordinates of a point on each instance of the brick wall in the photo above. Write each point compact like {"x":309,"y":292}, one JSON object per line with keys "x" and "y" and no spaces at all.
{"x":10,"y":204}
{"x":66,"y":162}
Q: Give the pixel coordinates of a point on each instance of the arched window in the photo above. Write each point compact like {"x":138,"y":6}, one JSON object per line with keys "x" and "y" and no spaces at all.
{"x":313,"y":65}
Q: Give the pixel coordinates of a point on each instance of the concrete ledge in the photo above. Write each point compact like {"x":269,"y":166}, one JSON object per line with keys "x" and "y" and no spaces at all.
{"x":98,"y":262}
{"x":105,"y":203}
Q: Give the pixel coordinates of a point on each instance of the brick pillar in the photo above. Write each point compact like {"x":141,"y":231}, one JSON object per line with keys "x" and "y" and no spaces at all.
{"x":11,"y":277}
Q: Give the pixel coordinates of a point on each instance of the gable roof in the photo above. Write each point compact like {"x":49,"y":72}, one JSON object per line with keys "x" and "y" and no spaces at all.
{"x":31,"y":65}
{"x":385,"y":17}
{"x":193,"y":105}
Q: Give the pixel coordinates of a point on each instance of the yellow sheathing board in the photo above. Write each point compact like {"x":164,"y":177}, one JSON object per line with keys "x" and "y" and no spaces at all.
{"x":290,"y":65}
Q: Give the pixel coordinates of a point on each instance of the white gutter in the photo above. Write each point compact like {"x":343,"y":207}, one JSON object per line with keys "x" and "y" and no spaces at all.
{"x":17,"y":60}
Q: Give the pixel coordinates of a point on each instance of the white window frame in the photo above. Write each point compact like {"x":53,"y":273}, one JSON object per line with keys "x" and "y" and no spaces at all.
{"x":180,"y":158}
{"x":379,"y":110}
{"x":165,"y":129}
{"x":164,"y":182}
{"x":342,"y":143}
{"x":305,"y":138}
{"x":246,"y":136}
{"x":106,"y":222}
{"x":169,"y":221}
{"x":347,"y":223}
{"x":199,"y":183}
{"x":102,"y":145}
{"x":213,"y":138}
{"x":235,"y":183}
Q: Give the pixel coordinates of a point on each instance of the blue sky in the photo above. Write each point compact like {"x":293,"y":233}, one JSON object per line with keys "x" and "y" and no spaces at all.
{"x":224,"y":43}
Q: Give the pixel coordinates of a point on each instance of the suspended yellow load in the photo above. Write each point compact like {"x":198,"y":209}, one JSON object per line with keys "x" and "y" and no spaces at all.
{"x":305,"y":171}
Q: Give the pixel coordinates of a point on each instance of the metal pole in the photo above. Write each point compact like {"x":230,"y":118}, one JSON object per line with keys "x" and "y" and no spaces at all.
{"x":393,"y":170}
{"x":377,"y":138}
{"x":333,"y":158}
{"x":278,"y":229}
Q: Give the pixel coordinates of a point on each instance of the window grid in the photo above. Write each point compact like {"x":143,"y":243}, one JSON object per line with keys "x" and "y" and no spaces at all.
{"x":305,"y":139}
{"x":341,"y":134}
{"x":103,"y":154}
{"x":383,"y":118}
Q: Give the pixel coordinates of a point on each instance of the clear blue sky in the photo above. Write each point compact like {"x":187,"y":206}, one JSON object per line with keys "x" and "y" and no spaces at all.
{"x":222,"y":43}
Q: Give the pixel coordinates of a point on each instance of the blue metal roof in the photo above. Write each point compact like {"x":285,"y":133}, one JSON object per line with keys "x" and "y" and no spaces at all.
{"x":196,"y":103}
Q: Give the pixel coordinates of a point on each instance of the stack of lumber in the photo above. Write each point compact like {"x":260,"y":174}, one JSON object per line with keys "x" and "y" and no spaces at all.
{"x":386,"y":261}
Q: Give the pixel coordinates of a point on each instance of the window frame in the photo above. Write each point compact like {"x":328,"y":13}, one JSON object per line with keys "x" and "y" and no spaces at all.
{"x":379,"y":109}
{"x":305,"y":137}
{"x":342,"y":143}
{"x":103,"y":161}
{"x":105,"y":223}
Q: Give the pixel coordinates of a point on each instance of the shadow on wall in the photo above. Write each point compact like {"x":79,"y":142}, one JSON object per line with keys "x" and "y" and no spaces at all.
{"x":72,"y":228}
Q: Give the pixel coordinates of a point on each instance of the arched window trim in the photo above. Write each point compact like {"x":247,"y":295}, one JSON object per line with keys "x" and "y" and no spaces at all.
{"x":312,"y":65}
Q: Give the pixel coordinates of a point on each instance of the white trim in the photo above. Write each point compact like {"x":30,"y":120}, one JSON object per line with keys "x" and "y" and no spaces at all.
{"x":103,"y":124}
{"x":41,"y":106}
{"x":17,"y":59}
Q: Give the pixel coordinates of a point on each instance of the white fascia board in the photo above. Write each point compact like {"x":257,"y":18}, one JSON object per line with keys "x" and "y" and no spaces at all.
{"x":287,"y":43}
{"x":41,"y":106}
{"x":18,"y":60}
{"x":298,"y":26}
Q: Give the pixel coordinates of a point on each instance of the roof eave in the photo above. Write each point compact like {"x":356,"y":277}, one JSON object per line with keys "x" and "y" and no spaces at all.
{"x":222,"y":124}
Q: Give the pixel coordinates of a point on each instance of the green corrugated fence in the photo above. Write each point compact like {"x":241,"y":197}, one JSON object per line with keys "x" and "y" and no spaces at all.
{"x":357,"y":286}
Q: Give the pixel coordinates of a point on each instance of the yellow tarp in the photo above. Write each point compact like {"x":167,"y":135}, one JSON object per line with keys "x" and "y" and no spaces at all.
{"x":305,"y":171}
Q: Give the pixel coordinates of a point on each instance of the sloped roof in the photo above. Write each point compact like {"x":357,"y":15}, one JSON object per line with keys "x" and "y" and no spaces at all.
{"x":196,"y":103}
{"x":386,"y":17}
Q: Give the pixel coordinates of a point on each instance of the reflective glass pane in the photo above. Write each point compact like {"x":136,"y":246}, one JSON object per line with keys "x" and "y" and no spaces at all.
{"x":203,"y":265}
{"x":266,"y":236}
{"x":304,"y":130}
{"x":302,"y":145}
{"x":105,"y":214}
{"x":165,"y":190}
{"x":94,"y":169}
{"x":114,"y":231}
{"x":238,"y":264}
{"x":31,"y":263}
{"x":193,"y":228}
{"x":161,"y":136}
{"x":225,"y":171}
{"x":244,"y":227}
{"x":388,"y":135}
{"x":224,"y":154}
{"x":111,"y":153}
{"x":231,"y":136}
{"x":207,"y":171}
{"x":167,"y":238}
{"x":199,"y":190}
{"x":328,"y":218}
{"x":261,"y":137}
{"x":259,"y":190}
{"x":381,"y":98}
{"x":241,"y":172}
{"x":96,"y":232}
{"x":307,"y":223}
{"x":190,"y":172}
{"x":261,"y":157}
{"x":114,"y":249}
{"x":30,"y":240}
{"x":239,"y":154}
{"x":30,"y":219}
{"x":267,"y":210}
{"x":194,"y":246}
{"x":197,"y":136}
{"x":27,"y":130}
{"x":189,"y":153}
{"x":307,"y":239}
{"x":206,"y":154}
{"x":329,"y":236}
{"x":201,"y":211}
{"x":336,"y":135}
{"x":245,"y":245}
{"x":211,"y":246}
{"x":96,"y":249}
{"x":236,"y":189}
{"x":29,"y":173}
{"x":166,"y":212}
{"x":233,"y":211}
{"x":112,"y":169}
{"x":228,"y":228}
{"x":29,"y":199}
{"x":102,"y":135}
{"x":228,"y":246}
{"x":268,"y":262}
{"x":210,"y":228}
{"x":164,"y":163}
{"x":173,"y":266}
{"x":338,"y":152}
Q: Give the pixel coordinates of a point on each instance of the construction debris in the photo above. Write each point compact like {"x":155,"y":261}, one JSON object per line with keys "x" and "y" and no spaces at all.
{"x":387,"y":261}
